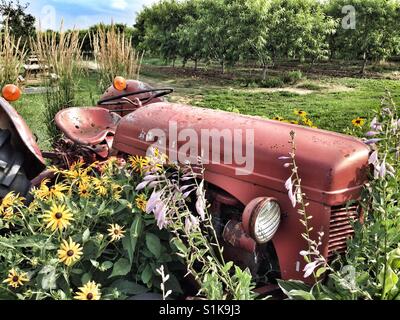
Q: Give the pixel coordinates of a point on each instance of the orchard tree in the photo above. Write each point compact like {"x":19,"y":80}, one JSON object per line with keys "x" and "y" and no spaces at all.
{"x":374,"y":33}
{"x":20,"y":23}
{"x":157,"y":27}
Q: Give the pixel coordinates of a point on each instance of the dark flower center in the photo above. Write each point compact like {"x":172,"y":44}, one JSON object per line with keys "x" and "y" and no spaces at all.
{"x":58,"y":215}
{"x":89,"y":296}
{"x":116,"y":232}
{"x":15,"y":279}
{"x":70,"y":253}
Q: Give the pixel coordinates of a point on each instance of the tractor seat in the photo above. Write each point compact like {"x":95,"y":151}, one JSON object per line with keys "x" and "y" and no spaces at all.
{"x":87,"y":126}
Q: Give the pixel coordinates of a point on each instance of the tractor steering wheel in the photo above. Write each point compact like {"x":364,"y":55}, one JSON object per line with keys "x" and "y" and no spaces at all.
{"x":119,"y":99}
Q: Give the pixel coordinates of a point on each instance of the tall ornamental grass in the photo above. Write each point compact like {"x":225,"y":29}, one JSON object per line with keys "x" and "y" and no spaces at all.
{"x":115,"y":55}
{"x":61,"y":52}
{"x":11,"y":57}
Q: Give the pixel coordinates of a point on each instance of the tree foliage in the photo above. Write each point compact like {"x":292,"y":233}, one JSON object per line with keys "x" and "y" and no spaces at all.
{"x":20,"y":23}
{"x":227,"y":31}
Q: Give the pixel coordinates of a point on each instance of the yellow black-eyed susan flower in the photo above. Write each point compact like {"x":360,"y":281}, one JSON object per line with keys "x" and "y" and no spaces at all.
{"x":90,"y":291}
{"x":294,"y":122}
{"x":56,"y":192}
{"x":116,"y":232}
{"x":100,"y":185}
{"x":358,"y":122}
{"x":139,"y":163}
{"x":300,"y":113}
{"x":58,"y":217}
{"x":16,"y":279}
{"x":7,"y":205}
{"x":84,"y":190}
{"x":277,"y":118}
{"x":69,"y":252}
{"x":141,"y":202}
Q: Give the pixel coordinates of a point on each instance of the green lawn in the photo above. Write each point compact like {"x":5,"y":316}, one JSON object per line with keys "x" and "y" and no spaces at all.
{"x":330,"y":109}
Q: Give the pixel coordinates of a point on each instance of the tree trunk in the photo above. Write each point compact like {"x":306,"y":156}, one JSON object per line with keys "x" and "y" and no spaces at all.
{"x":173,"y":62}
{"x":223,"y":67}
{"x":184,"y":63}
{"x":364,"y":66}
{"x":264,"y":73}
{"x":195,"y":64}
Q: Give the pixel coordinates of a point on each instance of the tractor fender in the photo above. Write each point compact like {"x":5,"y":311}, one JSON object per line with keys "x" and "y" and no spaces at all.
{"x":23,"y":139}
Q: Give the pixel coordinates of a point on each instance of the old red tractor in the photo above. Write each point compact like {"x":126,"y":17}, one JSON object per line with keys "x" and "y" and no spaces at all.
{"x":252,"y":213}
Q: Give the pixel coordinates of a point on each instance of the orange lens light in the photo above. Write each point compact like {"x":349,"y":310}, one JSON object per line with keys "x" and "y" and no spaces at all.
{"x":11,"y":92}
{"x":120,"y":83}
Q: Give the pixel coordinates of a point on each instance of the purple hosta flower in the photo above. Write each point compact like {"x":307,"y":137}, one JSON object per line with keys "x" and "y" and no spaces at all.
{"x":191,"y":223}
{"x":201,"y":203}
{"x":160,"y":213}
{"x":142,"y":185}
{"x":312,"y":266}
{"x":372,"y":141}
{"x":375,"y":125}
{"x":150,"y":177}
{"x":289,"y":186}
{"x":371,"y":133}
{"x":152,"y":202}
{"x":373,"y":158}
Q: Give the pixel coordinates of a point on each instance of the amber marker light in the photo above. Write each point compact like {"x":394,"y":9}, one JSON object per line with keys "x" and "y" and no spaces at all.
{"x":11,"y":92}
{"x":120,"y":83}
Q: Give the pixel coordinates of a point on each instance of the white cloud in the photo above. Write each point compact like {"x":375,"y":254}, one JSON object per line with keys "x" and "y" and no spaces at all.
{"x":119,"y":4}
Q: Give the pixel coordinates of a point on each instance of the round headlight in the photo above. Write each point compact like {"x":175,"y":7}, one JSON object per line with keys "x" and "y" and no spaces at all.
{"x":261,"y":219}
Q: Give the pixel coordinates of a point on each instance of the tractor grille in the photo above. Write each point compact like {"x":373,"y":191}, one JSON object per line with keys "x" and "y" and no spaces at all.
{"x":341,"y":229}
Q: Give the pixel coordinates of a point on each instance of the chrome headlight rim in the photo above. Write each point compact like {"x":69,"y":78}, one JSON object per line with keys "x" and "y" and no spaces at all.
{"x":251,"y":215}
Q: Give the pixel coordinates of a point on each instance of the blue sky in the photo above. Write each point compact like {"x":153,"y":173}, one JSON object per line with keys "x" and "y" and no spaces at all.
{"x":84,"y":13}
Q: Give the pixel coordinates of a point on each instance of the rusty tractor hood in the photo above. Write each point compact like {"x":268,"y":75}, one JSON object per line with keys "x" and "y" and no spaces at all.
{"x":333,"y":167}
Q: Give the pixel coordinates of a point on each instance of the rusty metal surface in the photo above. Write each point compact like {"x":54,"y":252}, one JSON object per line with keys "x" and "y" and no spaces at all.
{"x":24,"y":139}
{"x":333,"y":168}
{"x":87,"y":126}
{"x":132,"y":86}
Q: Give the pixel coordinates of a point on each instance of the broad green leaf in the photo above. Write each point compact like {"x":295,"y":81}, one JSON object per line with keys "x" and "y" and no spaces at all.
{"x":153,"y":244}
{"x":86,"y":278}
{"x":147,"y":274}
{"x":106,"y":265}
{"x":180,"y":246}
{"x":121,"y":268}
{"x":129,"y":287}
{"x":85,"y":236}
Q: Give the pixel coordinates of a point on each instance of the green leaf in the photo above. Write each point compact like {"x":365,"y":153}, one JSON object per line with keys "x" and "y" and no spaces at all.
{"x":228,"y":266}
{"x":49,"y":278}
{"x":147,"y":274}
{"x":106,"y":265}
{"x":288,"y":286}
{"x":153,"y":244}
{"x":301,"y":295}
{"x":85,"y":236}
{"x":121,"y":268}
{"x":129,"y":287}
{"x":180,"y":246}
{"x":320,"y":272}
{"x":136,"y":227}
{"x":86,"y":278}
{"x":387,"y":280}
